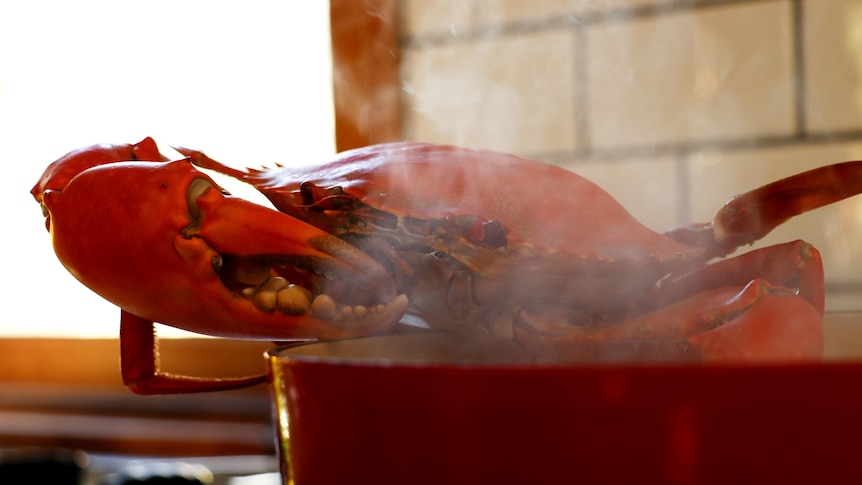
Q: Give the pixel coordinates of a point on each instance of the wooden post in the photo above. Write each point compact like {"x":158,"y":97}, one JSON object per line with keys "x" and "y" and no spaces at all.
{"x":366,"y":84}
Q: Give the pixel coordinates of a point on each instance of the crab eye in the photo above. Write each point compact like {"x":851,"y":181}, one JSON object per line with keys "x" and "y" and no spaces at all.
{"x":197,"y":189}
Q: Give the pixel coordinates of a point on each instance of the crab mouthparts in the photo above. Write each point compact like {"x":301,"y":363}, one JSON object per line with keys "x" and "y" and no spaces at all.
{"x":300,"y":286}
{"x":280,"y":265}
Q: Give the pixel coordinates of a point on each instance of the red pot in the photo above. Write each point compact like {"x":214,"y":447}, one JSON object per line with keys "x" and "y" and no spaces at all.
{"x":415,"y":409}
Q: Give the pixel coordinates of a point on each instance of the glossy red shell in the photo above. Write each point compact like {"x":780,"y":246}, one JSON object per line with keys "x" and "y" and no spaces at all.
{"x":543,"y":204}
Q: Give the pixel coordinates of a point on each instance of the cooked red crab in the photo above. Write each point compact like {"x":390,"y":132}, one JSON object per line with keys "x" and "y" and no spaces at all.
{"x":478,"y":243}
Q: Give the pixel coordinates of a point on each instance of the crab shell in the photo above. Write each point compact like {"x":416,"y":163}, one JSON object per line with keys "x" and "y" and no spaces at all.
{"x":569,"y":246}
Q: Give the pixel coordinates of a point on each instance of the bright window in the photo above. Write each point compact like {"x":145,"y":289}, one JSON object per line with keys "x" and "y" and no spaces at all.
{"x":249,"y":83}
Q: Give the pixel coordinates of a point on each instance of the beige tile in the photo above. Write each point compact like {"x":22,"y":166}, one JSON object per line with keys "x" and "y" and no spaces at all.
{"x":716,"y":73}
{"x":846,"y":301}
{"x":647,"y":188}
{"x":833,"y":64}
{"x":836,"y":230}
{"x":420,"y":17}
{"x":512,"y":94}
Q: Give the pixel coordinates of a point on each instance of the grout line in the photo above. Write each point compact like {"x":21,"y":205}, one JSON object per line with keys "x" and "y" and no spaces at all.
{"x":583,"y":136}
{"x":843,"y":287}
{"x":487,"y":32}
{"x":683,"y":206}
{"x":622,"y":14}
{"x":613,"y":15}
{"x":686,"y":148}
{"x":798,"y":26}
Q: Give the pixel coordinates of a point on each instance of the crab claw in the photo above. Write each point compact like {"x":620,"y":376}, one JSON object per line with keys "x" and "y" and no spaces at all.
{"x":757,"y":323}
{"x":58,"y":174}
{"x":164,"y":242}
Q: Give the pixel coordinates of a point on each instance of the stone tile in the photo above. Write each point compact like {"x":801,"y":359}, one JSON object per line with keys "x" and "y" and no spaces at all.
{"x":833,"y":64}
{"x":647,"y":188}
{"x":512,"y":94}
{"x":421,"y":17}
{"x":708,"y":74}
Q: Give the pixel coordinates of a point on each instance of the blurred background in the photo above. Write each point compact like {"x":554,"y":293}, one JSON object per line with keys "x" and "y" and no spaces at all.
{"x":250,"y":85}
{"x":673,"y":106}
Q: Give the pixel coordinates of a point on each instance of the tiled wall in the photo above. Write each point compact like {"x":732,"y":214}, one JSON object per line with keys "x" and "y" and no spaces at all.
{"x":672,"y":106}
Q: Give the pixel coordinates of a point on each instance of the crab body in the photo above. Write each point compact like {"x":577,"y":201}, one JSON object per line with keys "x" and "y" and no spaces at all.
{"x":477,"y":235}
{"x":479,"y":243}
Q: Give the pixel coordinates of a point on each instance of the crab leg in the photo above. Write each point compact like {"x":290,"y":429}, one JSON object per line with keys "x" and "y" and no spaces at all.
{"x":139,"y":364}
{"x":756,"y":323}
{"x":752,"y":215}
{"x":794,"y":265}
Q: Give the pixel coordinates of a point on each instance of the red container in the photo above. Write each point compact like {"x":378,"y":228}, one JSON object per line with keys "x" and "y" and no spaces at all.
{"x":415,"y":409}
